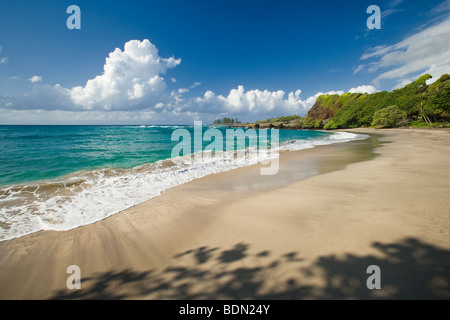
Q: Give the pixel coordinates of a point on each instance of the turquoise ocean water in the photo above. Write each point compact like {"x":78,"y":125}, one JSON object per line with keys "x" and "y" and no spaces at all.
{"x":62,"y":177}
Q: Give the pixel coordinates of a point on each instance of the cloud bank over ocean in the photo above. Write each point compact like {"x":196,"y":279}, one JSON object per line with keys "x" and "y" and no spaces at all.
{"x":132,"y":87}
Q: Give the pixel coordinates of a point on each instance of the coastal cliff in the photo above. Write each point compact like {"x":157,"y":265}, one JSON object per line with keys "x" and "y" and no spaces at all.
{"x":416,"y":104}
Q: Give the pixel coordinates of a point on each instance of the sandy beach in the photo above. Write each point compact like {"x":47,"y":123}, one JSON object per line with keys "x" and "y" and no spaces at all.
{"x":309,"y":232}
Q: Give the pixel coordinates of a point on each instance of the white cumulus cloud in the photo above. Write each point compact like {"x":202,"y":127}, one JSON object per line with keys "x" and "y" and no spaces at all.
{"x":131,"y":80}
{"x":35,"y":79}
{"x":131,"y":77}
{"x":363,"y":89}
{"x":255,"y":102}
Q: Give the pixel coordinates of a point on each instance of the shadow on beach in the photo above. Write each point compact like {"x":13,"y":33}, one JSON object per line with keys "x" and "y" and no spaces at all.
{"x":410,"y":269}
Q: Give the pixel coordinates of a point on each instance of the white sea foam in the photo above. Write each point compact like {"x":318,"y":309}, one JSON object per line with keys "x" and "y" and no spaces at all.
{"x":86,"y":197}
{"x":162,"y":126}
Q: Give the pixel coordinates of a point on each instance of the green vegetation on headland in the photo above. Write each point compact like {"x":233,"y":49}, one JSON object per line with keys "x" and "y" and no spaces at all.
{"x":416,"y":104}
{"x":226,"y":121}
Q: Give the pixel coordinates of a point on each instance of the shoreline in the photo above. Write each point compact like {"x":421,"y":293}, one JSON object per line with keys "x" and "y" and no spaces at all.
{"x":91,"y":216}
{"x":233,"y":235}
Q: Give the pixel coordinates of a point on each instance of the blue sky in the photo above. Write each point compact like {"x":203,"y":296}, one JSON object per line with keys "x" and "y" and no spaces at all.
{"x":205,"y":59}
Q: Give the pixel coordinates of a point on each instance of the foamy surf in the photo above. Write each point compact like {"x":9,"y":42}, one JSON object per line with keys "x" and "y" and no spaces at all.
{"x":86,"y":197}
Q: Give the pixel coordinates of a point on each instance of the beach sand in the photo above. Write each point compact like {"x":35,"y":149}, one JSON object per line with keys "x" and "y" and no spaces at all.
{"x":309,"y":232}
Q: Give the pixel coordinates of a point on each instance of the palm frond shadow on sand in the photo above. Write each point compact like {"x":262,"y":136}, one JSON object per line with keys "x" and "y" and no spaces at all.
{"x":410,"y":269}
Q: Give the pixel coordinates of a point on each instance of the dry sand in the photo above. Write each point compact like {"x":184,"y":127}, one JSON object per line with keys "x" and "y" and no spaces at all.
{"x":238,"y":235}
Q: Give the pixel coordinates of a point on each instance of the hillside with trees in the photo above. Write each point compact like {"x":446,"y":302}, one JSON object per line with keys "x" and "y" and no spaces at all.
{"x":416,"y":104}
{"x":227,"y":121}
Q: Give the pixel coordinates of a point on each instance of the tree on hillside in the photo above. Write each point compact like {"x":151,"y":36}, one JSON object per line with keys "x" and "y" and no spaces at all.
{"x":389,"y":117}
{"x":227,"y":120}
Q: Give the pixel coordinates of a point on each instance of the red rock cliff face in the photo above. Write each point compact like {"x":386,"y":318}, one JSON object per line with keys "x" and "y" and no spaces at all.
{"x":320,"y":112}
{"x":324,"y":108}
